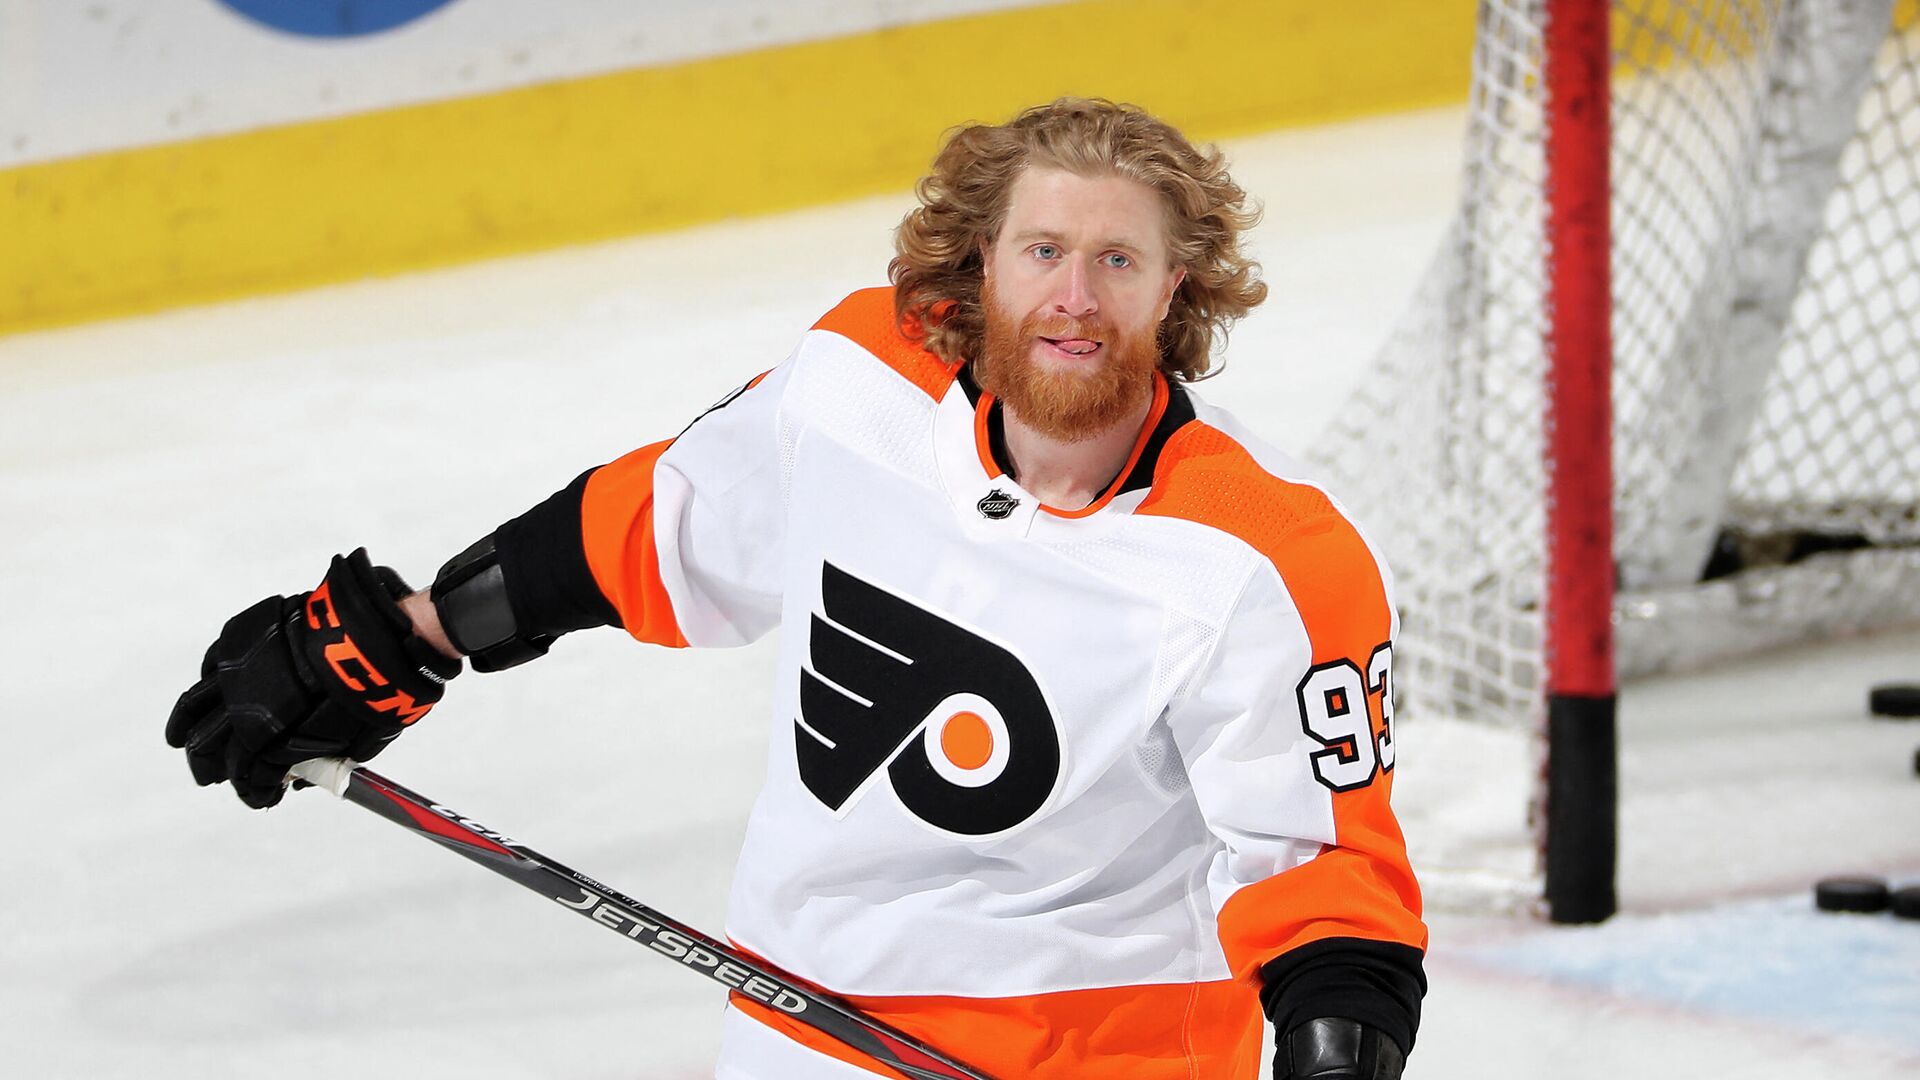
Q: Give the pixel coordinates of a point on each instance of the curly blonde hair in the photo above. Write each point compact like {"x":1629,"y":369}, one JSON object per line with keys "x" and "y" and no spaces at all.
{"x":937,"y":268}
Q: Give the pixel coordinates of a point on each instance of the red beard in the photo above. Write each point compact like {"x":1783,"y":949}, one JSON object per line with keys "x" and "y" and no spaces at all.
{"x":1067,"y":405}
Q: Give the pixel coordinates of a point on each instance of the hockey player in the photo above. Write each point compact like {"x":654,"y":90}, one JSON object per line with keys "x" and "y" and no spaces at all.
{"x":1082,"y":742}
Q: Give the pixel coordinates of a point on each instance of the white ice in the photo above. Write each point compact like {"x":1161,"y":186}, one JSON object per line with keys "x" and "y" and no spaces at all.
{"x":158,"y":474}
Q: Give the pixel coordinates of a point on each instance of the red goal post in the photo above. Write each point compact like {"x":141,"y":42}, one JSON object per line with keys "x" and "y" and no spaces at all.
{"x":1582,"y":783}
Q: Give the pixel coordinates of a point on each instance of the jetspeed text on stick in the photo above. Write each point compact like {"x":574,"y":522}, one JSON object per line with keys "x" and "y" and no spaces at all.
{"x":677,"y":946}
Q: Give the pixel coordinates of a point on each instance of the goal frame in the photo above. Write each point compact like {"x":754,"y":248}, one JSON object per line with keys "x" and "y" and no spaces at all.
{"x":1582,"y":789}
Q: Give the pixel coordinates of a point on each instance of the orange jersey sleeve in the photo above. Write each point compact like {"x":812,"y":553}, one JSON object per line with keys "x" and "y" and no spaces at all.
{"x":617,"y":531}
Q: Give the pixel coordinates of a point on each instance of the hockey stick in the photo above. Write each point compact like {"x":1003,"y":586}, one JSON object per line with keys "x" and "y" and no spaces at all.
{"x":579,"y":893}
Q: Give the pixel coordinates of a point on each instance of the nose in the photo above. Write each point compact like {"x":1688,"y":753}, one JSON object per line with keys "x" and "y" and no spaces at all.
{"x":1075,"y":296}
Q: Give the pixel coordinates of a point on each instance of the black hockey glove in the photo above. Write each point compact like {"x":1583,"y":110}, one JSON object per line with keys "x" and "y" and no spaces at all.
{"x":1335,"y":1049}
{"x":337,"y":672}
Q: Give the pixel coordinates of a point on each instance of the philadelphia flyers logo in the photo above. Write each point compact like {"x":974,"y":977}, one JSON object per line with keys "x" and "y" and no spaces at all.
{"x":957,"y":721}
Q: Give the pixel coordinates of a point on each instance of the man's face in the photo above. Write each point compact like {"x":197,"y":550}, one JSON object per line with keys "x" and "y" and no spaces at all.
{"x":1076,"y":285}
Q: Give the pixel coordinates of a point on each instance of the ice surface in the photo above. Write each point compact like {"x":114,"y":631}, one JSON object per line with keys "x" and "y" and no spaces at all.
{"x":158,"y":474}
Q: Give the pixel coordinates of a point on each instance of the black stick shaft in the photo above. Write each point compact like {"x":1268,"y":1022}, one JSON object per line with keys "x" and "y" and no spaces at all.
{"x":672,"y":939}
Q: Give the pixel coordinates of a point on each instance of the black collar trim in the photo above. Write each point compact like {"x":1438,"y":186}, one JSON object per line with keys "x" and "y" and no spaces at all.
{"x":1178,"y":414}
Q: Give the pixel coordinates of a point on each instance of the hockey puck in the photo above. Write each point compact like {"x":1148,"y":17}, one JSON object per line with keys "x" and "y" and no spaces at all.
{"x":1894,"y":699}
{"x":1862,"y":894}
{"x":1905,"y":902}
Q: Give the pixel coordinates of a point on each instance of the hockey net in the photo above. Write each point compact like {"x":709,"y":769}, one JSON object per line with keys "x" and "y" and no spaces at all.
{"x":1766,"y":387}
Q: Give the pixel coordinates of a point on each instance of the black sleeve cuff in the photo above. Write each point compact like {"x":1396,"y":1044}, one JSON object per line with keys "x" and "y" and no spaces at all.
{"x":1378,"y":983}
{"x":543,"y":557}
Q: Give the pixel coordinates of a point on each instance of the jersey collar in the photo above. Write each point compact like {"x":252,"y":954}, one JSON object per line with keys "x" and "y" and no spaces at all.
{"x":1172,"y":408}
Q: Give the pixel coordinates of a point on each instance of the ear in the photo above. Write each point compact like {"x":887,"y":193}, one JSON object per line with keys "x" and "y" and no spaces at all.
{"x":1173,"y":286}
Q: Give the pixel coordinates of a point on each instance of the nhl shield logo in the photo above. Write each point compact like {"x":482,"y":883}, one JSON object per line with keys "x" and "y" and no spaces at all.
{"x":996,"y":504}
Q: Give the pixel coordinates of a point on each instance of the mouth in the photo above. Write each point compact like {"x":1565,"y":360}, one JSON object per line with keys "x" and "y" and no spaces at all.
{"x":1072,"y":348}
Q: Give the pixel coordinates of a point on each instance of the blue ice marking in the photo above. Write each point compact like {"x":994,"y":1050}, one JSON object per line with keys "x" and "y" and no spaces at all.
{"x":1777,"y":961}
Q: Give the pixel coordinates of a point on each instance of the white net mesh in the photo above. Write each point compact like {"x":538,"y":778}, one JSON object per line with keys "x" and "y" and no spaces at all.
{"x":1837,"y":442}
{"x":1766,"y":261}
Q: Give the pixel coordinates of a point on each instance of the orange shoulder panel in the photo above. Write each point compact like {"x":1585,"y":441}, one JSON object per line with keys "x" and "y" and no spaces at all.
{"x":616,"y":525}
{"x":866,"y":318}
{"x":1363,"y":887}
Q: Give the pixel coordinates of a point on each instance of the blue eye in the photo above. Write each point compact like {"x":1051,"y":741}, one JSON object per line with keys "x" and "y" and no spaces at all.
{"x":1045,"y":251}
{"x":1118,"y":261}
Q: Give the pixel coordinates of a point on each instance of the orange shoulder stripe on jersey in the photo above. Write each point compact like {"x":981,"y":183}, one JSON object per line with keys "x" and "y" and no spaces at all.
{"x":1363,"y":887}
{"x":1171,"y":1031}
{"x":866,"y":318}
{"x":616,"y":526}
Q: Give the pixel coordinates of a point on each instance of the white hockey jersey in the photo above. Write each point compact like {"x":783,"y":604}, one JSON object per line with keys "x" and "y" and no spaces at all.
{"x":1046,"y":788}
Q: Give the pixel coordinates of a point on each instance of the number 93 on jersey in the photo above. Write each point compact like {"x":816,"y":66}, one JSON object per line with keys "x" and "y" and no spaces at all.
{"x":1349,"y":712}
